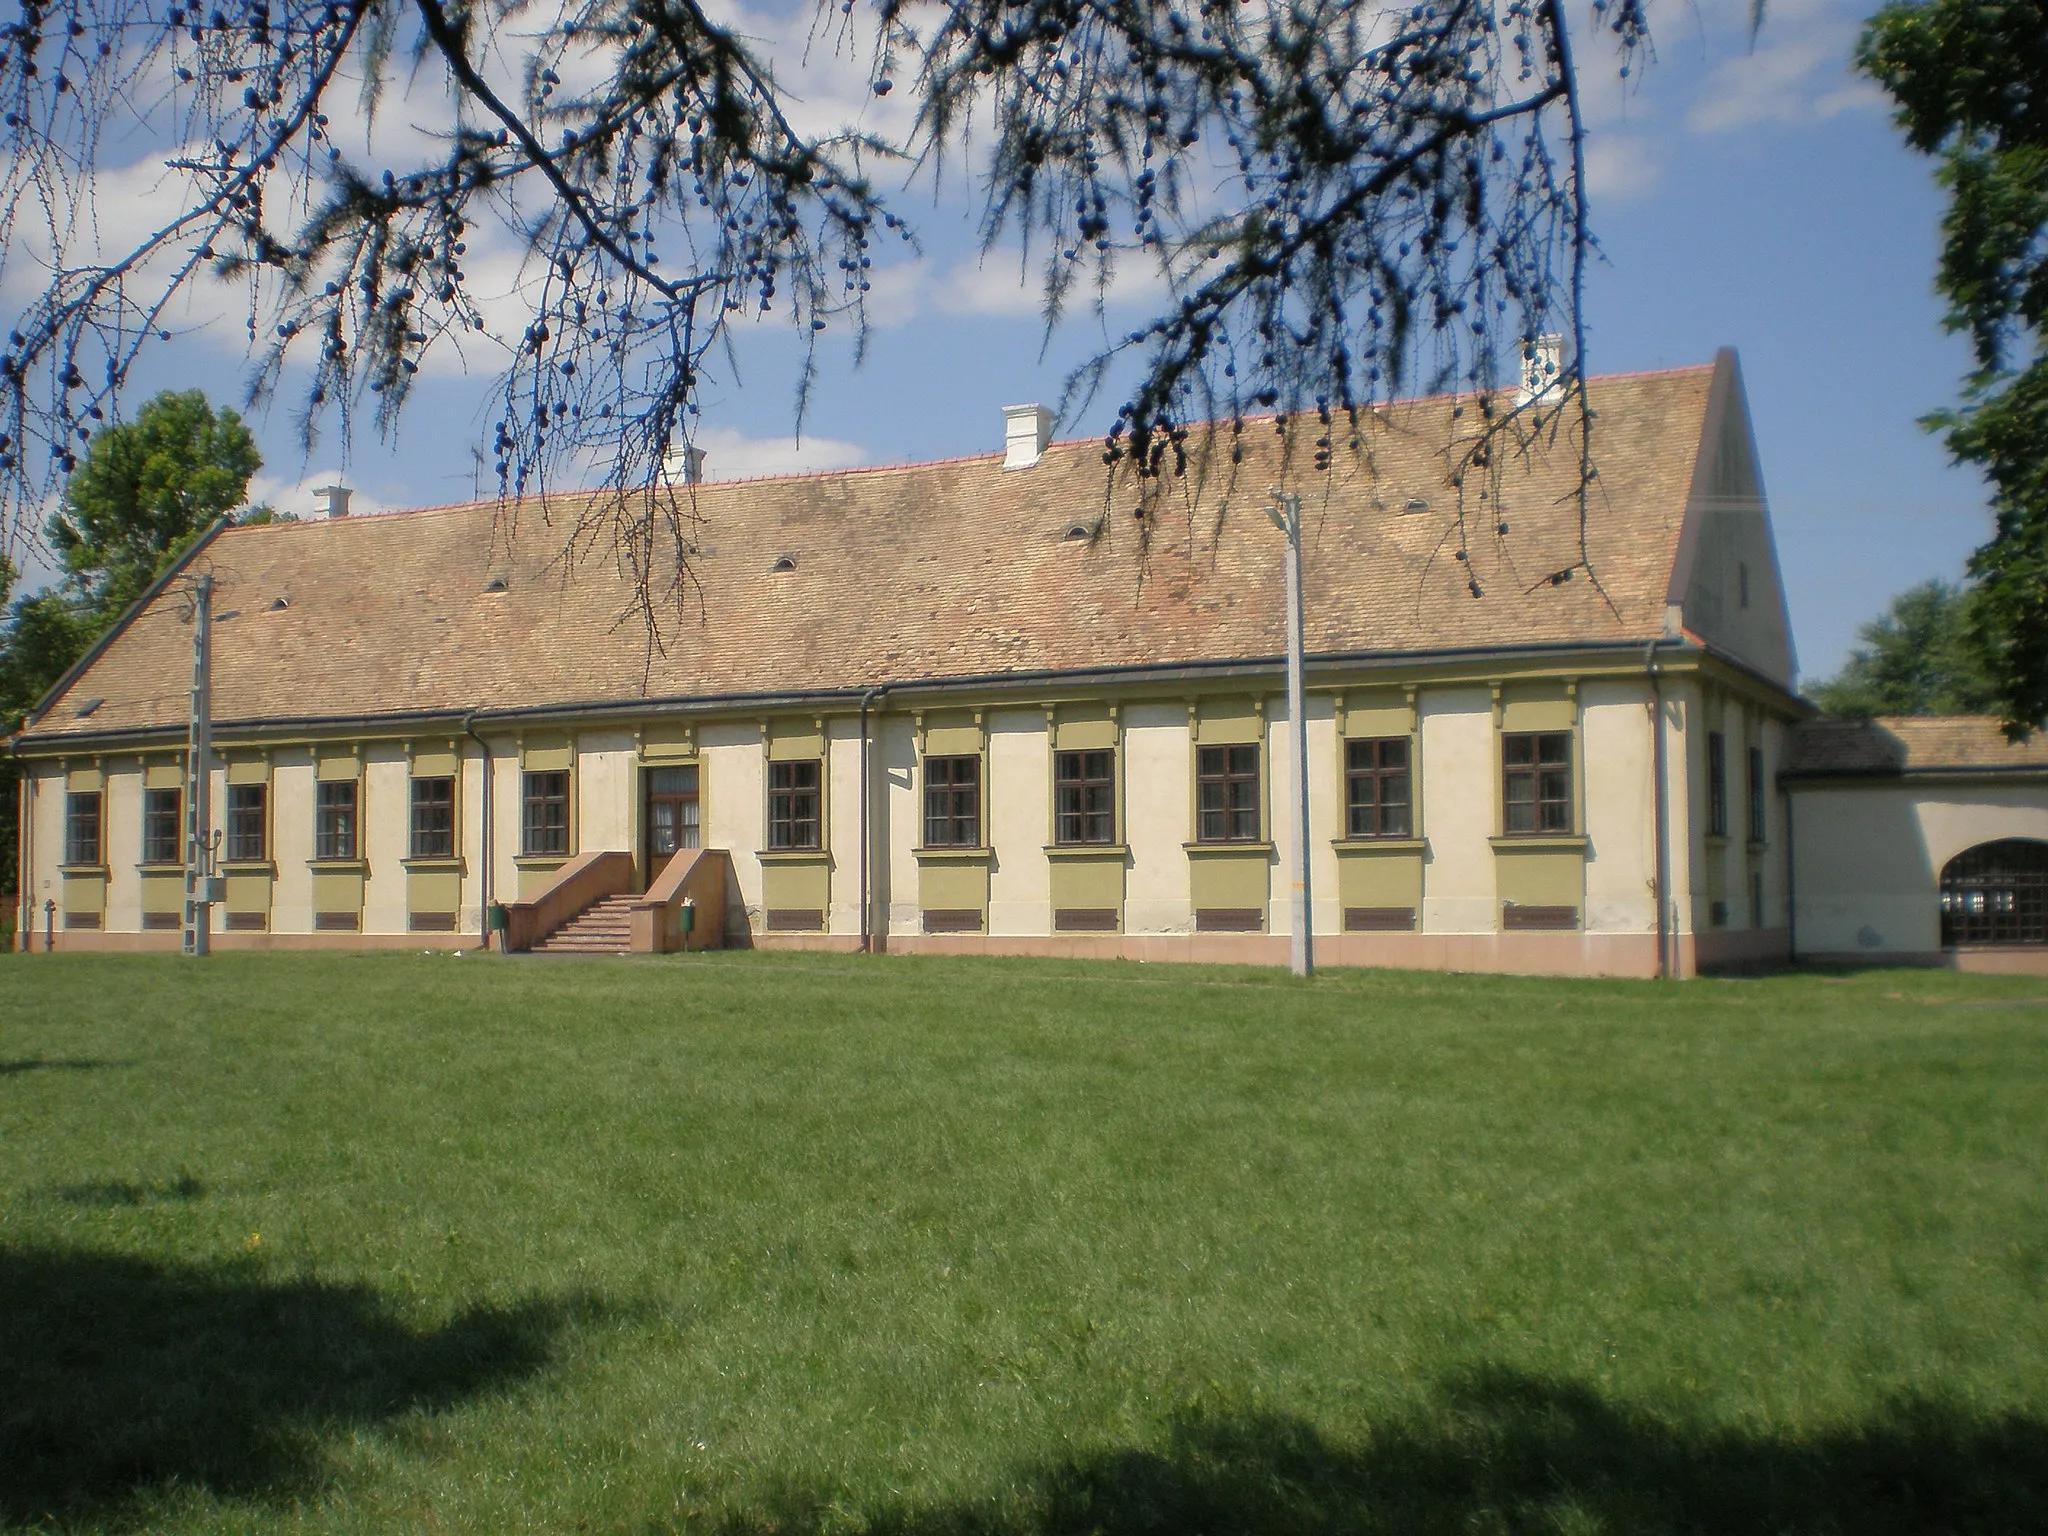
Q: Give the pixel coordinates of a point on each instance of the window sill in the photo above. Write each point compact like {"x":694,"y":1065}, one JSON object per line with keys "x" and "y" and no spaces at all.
{"x":1716,"y":839}
{"x":82,"y":869}
{"x":1087,"y":850}
{"x":434,"y":861}
{"x":1379,"y":844}
{"x":951,"y":854}
{"x":1755,"y":849}
{"x":248,"y":867}
{"x":794,"y":855}
{"x":160,"y":867}
{"x":340,"y":866}
{"x":1545,"y":842}
{"x":540,"y":860}
{"x":1232,"y":847}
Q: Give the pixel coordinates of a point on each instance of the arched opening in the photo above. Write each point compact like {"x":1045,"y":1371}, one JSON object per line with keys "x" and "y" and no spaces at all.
{"x":1996,"y":893}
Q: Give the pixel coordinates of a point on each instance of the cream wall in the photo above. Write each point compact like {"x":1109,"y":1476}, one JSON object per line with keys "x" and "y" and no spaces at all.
{"x":1326,"y":813}
{"x":1868,"y":858}
{"x":291,"y":840}
{"x":1157,"y":765}
{"x":1620,"y":807}
{"x":898,"y":831}
{"x":842,"y":837}
{"x":121,"y":843}
{"x":387,"y":838}
{"x":1458,"y":795}
{"x":733,"y":793}
{"x":1018,"y":814}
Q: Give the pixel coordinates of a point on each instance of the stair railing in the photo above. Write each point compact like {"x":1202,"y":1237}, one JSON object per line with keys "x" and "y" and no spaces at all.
{"x":577,"y":886}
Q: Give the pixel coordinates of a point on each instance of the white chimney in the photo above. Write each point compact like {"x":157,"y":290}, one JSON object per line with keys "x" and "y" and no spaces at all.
{"x":333,"y":500}
{"x":693,"y":466}
{"x":1027,"y":430}
{"x":1542,"y":370}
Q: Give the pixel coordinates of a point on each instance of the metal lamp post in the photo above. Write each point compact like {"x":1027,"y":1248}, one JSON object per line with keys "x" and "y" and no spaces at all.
{"x":1286,"y":515}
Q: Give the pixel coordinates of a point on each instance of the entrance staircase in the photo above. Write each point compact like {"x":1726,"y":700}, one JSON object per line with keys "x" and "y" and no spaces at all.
{"x":603,"y":928}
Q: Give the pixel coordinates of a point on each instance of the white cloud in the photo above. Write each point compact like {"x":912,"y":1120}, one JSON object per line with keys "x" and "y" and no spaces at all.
{"x":1000,"y":288}
{"x":296,"y":497}
{"x":730,"y":454}
{"x":1620,"y":166}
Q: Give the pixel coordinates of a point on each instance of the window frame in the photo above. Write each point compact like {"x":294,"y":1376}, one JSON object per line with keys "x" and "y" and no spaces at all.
{"x":414,"y":806}
{"x":236,"y":844}
{"x":1759,"y":804}
{"x":337,"y":829}
{"x":84,"y":810}
{"x":1534,"y":771}
{"x":537,"y":837}
{"x":1377,"y":774}
{"x":1070,"y":827}
{"x":785,"y":801}
{"x":959,"y":823}
{"x":1717,"y":784}
{"x":1224,"y":779}
{"x":152,"y":813}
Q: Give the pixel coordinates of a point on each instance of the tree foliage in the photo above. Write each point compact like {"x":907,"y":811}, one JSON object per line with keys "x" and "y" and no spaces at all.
{"x":1971,"y":81}
{"x":1922,"y":656}
{"x":1341,"y":200}
{"x":144,"y":490}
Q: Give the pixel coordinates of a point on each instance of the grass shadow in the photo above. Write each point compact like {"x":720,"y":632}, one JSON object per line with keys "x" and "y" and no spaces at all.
{"x":1505,"y":1452}
{"x":110,"y":1193}
{"x":125,"y":1377}
{"x":20,"y":1065}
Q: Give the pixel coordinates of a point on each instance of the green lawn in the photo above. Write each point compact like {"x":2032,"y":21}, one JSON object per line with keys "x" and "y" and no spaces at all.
{"x":748,"y":1243}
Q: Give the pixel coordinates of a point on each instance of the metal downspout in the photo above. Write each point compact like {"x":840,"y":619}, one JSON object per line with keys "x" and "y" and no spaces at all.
{"x":483,"y":915}
{"x":1663,"y":815}
{"x":1791,"y":886}
{"x":867,"y":938}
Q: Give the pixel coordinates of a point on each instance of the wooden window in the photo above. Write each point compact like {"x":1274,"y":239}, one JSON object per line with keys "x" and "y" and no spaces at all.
{"x":793,"y":805}
{"x":1759,"y":823}
{"x":82,"y":828}
{"x":1377,"y":796}
{"x":544,"y":820}
{"x":1227,"y":794}
{"x":334,"y":820}
{"x":1536,"y":782}
{"x":248,"y":839}
{"x":1717,"y":784}
{"x":433,"y":818}
{"x":952,"y":802}
{"x":1084,"y":798}
{"x":162,"y":836}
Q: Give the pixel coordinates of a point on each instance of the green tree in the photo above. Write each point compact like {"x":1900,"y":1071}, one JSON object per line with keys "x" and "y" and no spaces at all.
{"x":1922,"y":657}
{"x":143,"y":492}
{"x":1971,"y":81}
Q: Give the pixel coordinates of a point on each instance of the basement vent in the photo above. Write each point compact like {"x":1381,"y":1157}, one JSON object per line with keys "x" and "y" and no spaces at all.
{"x":785,"y":563}
{"x":88,"y":708}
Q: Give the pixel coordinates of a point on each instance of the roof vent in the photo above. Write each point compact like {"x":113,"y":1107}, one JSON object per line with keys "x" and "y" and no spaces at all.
{"x":1083,"y":533}
{"x":89,"y":707}
{"x":497,"y":584}
{"x":1416,"y":504}
{"x":333,"y":500}
{"x":783,"y":563}
{"x":279,"y":604}
{"x":1542,"y":370}
{"x":1027,"y":432}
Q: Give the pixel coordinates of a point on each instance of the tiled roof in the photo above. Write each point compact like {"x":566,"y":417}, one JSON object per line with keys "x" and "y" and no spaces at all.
{"x":924,"y":572}
{"x":1900,"y":744}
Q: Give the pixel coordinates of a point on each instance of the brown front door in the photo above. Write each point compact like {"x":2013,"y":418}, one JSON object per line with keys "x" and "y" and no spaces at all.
{"x":671,"y":815}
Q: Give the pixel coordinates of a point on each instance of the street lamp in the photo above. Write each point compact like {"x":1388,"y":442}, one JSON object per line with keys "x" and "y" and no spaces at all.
{"x":1285,"y":513}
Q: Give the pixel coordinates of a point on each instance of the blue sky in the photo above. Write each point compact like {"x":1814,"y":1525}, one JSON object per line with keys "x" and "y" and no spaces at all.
{"x":1754,"y":198}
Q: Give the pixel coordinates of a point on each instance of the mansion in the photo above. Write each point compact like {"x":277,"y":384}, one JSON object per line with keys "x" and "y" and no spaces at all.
{"x":1009,"y":704}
